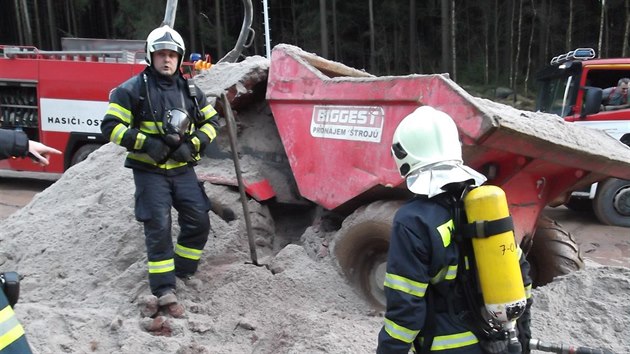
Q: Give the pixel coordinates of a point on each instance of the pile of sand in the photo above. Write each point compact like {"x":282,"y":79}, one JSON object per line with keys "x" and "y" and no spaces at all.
{"x":82,"y":256}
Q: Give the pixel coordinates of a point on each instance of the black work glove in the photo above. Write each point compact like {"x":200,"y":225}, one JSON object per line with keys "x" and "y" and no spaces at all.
{"x":156,"y":149}
{"x":524,"y":331}
{"x":186,"y":152}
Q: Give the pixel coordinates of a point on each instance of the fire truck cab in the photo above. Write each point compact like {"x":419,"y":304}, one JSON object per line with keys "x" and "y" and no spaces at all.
{"x":59,"y":98}
{"x":572,"y":86}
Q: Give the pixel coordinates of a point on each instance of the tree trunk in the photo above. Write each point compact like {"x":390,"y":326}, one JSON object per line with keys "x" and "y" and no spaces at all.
{"x":413,"y":63}
{"x":486,"y":48}
{"x":602,"y":16}
{"x":569,"y":45}
{"x":218,"y":28}
{"x":445,"y":35}
{"x":52,"y":25}
{"x":38,"y":29}
{"x":28,"y":31}
{"x":192,"y":44}
{"x":372,"y":45}
{"x":626,"y":32}
{"x":323,"y":27}
{"x":496,"y":42}
{"x":335,"y":34}
{"x":511,"y":56}
{"x":453,"y":41}
{"x":529,"y":48}
{"x":295,"y":23}
{"x":518,"y":47}
{"x":18,"y":18}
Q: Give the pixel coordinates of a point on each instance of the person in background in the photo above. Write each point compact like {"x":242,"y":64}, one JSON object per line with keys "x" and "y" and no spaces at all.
{"x":165,"y":122}
{"x":614,"y":98}
{"x":428,"y":307}
{"x":15,"y":143}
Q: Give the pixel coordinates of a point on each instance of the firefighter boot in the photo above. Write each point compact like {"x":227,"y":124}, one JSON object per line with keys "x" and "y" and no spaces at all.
{"x":148,"y":306}
{"x":169,"y":304}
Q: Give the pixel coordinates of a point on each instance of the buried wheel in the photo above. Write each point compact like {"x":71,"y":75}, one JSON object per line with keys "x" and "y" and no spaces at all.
{"x":83,"y":152}
{"x":361,"y":246}
{"x":554,"y":252}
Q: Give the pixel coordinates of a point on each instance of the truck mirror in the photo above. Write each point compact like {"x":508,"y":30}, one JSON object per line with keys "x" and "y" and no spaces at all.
{"x":592,"y":100}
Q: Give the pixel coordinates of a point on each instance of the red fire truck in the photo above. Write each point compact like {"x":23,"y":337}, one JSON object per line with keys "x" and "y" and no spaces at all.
{"x":571,"y":86}
{"x":59,"y":99}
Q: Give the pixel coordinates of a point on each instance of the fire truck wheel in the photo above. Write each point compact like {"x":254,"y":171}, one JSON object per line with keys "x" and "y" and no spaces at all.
{"x":612,"y":202}
{"x":554,"y":252}
{"x":83,"y":152}
{"x":360,"y":248}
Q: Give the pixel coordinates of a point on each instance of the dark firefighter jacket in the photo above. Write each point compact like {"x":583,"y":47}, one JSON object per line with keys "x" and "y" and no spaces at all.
{"x":13,"y":143}
{"x":129,"y":120}
{"x":423,"y":258}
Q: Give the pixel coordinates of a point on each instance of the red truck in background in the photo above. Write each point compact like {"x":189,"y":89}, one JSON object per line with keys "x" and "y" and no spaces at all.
{"x":59,"y":98}
{"x":571,"y":86}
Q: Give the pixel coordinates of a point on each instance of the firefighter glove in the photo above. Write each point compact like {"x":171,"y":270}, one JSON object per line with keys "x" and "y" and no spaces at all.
{"x":185,"y":152}
{"x":156,"y":149}
{"x":523,"y":327}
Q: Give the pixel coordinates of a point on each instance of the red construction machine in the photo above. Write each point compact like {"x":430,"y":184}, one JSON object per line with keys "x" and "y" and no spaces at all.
{"x":324,"y":146}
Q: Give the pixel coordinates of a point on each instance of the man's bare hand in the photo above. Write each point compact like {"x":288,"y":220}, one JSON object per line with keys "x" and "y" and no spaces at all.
{"x":40,"y":153}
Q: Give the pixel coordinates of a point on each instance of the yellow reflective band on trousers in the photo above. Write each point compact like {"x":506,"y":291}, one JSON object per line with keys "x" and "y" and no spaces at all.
{"x":453,"y":341}
{"x":405,"y":285}
{"x":119,"y":112}
{"x":445,"y":232}
{"x":10,"y":328}
{"x":186,"y":252}
{"x":161,"y":266}
{"x":399,"y":332}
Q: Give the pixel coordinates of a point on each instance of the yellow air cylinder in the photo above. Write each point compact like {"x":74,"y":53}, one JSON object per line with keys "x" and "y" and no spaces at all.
{"x":496,"y":256}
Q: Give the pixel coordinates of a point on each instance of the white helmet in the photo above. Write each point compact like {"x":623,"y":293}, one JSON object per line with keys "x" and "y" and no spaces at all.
{"x":427,"y":151}
{"x":165,"y":38}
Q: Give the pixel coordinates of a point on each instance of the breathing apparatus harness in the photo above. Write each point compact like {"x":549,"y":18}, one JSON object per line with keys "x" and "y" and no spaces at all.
{"x":467,"y":286}
{"x":176,"y":122}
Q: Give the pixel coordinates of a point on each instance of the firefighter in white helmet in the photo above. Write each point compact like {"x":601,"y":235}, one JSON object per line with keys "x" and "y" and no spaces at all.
{"x":430,"y":271}
{"x":165,"y":122}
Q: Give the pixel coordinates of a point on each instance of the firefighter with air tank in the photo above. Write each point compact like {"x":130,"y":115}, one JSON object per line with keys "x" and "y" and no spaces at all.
{"x":456,"y":282}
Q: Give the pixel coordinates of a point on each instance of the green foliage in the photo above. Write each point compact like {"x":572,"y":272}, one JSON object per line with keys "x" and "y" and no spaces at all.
{"x":136,"y":18}
{"x":491,"y":23}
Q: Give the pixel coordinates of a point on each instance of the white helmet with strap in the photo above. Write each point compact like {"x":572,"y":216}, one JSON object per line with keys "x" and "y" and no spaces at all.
{"x":165,"y":38}
{"x":428,"y":153}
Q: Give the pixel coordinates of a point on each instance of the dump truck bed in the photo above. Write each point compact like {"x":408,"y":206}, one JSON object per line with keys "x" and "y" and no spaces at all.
{"x":336,"y":124}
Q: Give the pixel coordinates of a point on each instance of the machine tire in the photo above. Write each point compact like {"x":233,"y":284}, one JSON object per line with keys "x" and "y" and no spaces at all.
{"x":263,"y":225}
{"x":554,"y":252}
{"x":612,"y":202}
{"x":360,"y":248}
{"x":83,"y":152}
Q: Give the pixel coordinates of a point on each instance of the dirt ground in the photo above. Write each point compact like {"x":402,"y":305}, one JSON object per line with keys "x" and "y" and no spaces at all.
{"x":606,"y":245}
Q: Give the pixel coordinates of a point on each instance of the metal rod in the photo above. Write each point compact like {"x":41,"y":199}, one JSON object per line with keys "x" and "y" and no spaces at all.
{"x":231,"y":125}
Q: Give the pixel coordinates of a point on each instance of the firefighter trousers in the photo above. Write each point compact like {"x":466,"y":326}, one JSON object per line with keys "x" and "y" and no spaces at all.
{"x":155,"y":195}
{"x":12,"y":338}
